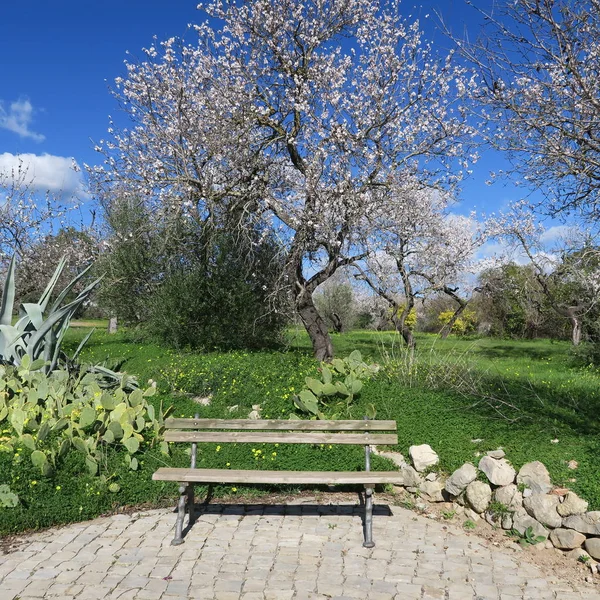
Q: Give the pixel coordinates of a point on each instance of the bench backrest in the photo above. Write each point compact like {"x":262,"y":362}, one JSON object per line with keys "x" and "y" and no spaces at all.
{"x":290,"y":431}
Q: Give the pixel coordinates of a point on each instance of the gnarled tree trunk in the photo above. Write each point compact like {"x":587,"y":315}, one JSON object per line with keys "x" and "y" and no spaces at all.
{"x":315,"y":326}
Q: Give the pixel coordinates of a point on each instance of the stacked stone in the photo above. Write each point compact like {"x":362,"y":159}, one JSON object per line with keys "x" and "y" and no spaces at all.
{"x":508,"y":499}
{"x":527,"y":499}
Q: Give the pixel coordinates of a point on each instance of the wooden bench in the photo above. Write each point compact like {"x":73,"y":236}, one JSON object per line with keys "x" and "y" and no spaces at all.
{"x":222,"y":431}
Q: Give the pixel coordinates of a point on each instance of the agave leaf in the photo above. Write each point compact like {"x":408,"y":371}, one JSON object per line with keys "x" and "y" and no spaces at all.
{"x":56,"y":318}
{"x":45,"y":297}
{"x":82,"y":344}
{"x":59,"y":300}
{"x":8,"y":295}
{"x":56,"y":341}
{"x":9,"y":340}
{"x":34,"y":312}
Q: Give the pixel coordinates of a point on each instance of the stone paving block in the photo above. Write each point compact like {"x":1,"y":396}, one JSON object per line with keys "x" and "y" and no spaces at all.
{"x":432,"y":593}
{"x":408,"y":591}
{"x":278,"y":594}
{"x":271,"y":555}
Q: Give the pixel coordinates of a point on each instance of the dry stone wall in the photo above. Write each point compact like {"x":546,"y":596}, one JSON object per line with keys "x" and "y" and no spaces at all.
{"x":505,"y":498}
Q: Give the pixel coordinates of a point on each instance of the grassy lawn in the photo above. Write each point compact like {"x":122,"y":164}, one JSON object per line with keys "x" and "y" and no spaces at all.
{"x":549,"y":398}
{"x":549,"y":413}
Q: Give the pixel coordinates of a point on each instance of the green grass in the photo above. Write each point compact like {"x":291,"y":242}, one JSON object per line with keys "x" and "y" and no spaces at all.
{"x":549,"y":399}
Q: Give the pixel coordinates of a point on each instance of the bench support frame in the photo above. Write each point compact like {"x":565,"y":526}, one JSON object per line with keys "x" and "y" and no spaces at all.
{"x":186,"y":493}
{"x":368,"y":543}
{"x":186,"y":496}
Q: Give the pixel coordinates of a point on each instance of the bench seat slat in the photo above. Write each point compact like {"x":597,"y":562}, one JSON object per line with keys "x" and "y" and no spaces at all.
{"x":281,"y":438}
{"x":283,"y":477}
{"x":289,"y":424}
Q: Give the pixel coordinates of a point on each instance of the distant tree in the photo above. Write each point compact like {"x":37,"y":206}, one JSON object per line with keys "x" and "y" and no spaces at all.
{"x":566,"y":273}
{"x":417,"y":252}
{"x":131,"y":259}
{"x":26,"y":218}
{"x":511,"y":302}
{"x":335,"y":302}
{"x":39,"y":259}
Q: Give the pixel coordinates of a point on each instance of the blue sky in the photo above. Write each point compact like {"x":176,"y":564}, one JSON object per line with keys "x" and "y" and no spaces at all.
{"x":59,"y":59}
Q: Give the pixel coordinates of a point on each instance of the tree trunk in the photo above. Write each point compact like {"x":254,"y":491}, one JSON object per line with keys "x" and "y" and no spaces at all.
{"x":315,"y":326}
{"x":112,"y":325}
{"x":402,"y":329}
{"x":576,"y":331}
{"x":447,"y":328}
{"x":337,"y":323}
{"x":408,"y":337}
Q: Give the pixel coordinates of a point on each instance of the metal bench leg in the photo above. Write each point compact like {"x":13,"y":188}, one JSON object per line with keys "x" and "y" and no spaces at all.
{"x":368,"y":543}
{"x":190,"y":502}
{"x":178,"y":539}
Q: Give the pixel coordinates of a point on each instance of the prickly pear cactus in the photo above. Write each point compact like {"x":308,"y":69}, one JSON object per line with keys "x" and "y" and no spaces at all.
{"x":341,"y":380}
{"x":8,"y":499}
{"x":56,"y":413}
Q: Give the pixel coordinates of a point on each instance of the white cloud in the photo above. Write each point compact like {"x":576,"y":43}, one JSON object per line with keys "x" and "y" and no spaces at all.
{"x":559,"y":233}
{"x":18,"y":118}
{"x":45,"y":172}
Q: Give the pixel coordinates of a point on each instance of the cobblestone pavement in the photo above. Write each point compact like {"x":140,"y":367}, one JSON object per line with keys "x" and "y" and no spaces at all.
{"x":271,"y":553}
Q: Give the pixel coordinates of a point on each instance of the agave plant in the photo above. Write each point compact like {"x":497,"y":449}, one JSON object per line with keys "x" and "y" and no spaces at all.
{"x":39,"y":330}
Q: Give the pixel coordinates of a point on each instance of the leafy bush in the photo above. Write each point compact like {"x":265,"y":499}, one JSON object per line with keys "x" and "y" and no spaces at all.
{"x":464,"y":325}
{"x":216,"y":302}
{"x":52,"y":414}
{"x":188,"y":285}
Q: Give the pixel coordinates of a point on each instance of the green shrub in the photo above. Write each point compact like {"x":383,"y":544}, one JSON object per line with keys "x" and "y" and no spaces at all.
{"x":464,"y":325}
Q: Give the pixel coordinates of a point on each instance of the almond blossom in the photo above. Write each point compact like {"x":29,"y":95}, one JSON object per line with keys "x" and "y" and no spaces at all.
{"x":295,"y":113}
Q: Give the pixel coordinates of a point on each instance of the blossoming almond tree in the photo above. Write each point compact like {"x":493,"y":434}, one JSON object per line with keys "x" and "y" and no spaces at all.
{"x":25,"y":218}
{"x":420,"y":248}
{"x":296,"y":113}
{"x":539,"y":62}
